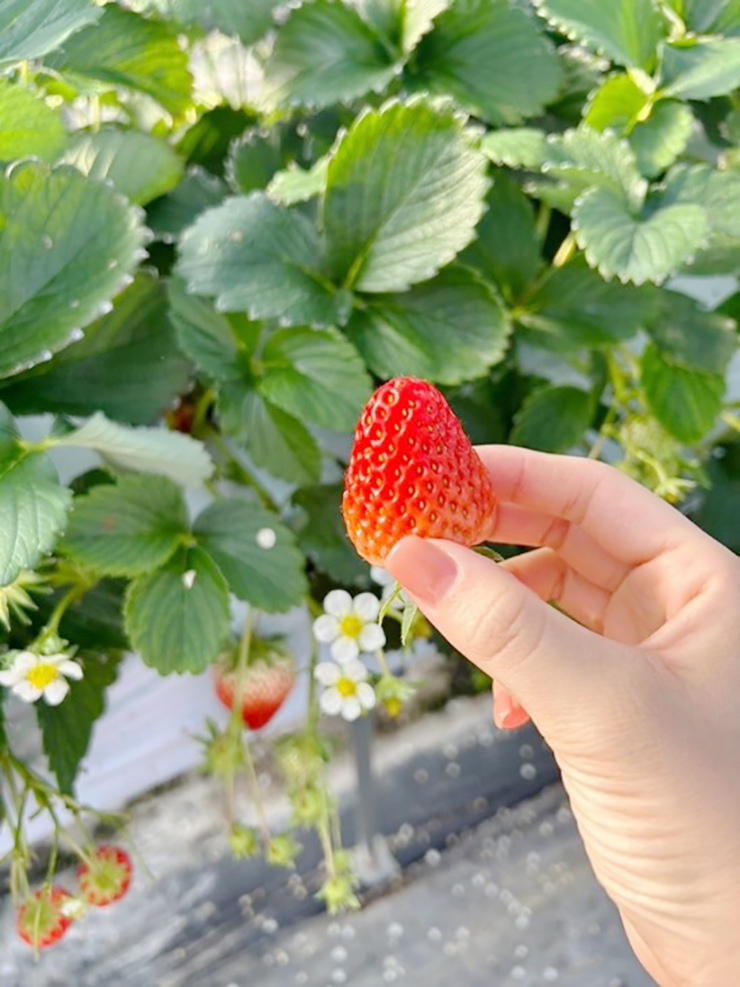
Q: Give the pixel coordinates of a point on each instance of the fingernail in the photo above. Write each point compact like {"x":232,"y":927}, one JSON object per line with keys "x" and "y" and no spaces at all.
{"x":422,"y":568}
{"x":502,"y":710}
{"x":515,"y":718}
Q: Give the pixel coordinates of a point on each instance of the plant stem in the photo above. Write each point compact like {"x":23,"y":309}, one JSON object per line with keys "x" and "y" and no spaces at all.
{"x":241,"y":471}
{"x":255,"y":791}
{"x":565,"y":251}
{"x":543,"y":221}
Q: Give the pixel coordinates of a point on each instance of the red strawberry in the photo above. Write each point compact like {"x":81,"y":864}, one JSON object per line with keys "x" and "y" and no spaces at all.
{"x":41,"y":921}
{"x":413,"y":471}
{"x":106,"y":877}
{"x":264,"y":689}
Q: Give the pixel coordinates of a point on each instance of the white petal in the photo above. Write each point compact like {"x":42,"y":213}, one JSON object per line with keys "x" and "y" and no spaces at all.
{"x":380,"y":575}
{"x":56,"y":659}
{"x":366,"y":605}
{"x":10,"y":676}
{"x":71,"y":669}
{"x":326,"y":628}
{"x":327,"y":673}
{"x":25,"y":661}
{"x":56,"y":691}
{"x":338,"y":603}
{"x":331,"y":702}
{"x":366,"y":695}
{"x":351,"y":709}
{"x":372,"y":637}
{"x":344,"y":649}
{"x":27,"y":692}
{"x":355,"y":670}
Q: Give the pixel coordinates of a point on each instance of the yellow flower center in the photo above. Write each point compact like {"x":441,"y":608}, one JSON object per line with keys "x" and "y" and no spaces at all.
{"x":346,"y":688}
{"x":351,"y":625}
{"x":42,"y":675}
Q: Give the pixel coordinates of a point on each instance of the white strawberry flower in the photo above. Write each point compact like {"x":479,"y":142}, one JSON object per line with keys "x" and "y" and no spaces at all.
{"x":32,"y":676}
{"x":349,"y":625}
{"x":347,"y":692}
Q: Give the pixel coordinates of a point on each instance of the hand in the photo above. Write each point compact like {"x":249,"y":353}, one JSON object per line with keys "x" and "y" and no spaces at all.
{"x":638,"y":696}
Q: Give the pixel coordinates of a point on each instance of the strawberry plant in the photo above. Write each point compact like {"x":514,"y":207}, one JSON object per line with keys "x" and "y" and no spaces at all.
{"x":223,"y":224}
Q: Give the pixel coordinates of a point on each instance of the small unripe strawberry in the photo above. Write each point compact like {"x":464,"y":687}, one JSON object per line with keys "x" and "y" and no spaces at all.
{"x":264,"y":689}
{"x":41,"y":919}
{"x":106,"y":876}
{"x":413,"y":471}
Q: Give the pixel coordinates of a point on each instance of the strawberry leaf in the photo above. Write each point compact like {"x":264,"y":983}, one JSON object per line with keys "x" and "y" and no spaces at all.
{"x":250,"y":21}
{"x":685,"y":401}
{"x":178,"y":616}
{"x":321,"y":533}
{"x":28,"y":127}
{"x":553,"y":419}
{"x":30,"y":30}
{"x":700,"y":69}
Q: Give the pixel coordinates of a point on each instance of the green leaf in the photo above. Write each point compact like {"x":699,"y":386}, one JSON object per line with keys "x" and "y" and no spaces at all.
{"x":322,"y":535}
{"x":711,"y":16}
{"x":28,"y":127}
{"x":573,"y":308}
{"x":662,"y":137}
{"x":617,"y":104}
{"x":519,"y":147}
{"x":140,"y":166}
{"x":255,"y":552}
{"x":255,"y":257}
{"x":686,"y":402}
{"x":553,"y":419}
{"x":625,"y":31}
{"x":147,"y":450}
{"x":95,"y":623}
{"x":208,"y":141}
{"x":402,"y":23}
{"x":326,"y":53}
{"x":636,"y":249}
{"x":30,"y":30}
{"x":275,"y":440}
{"x":127,"y":365}
{"x":700,"y":69}
{"x":178,"y":616}
{"x":124,"y":49}
{"x":318,"y":376}
{"x":298,"y":185}
{"x":129,"y":528}
{"x":65,"y":245}
{"x":448,"y":330}
{"x":507,"y":247}
{"x":688,"y":335}
{"x":66,"y":729}
{"x":250,"y":21}
{"x":404,"y":195}
{"x":717,"y":191}
{"x":720,"y":506}
{"x":33,"y":506}
{"x":169,"y":215}
{"x":493,"y":58}
{"x":253,"y":160}
{"x":219,"y":345}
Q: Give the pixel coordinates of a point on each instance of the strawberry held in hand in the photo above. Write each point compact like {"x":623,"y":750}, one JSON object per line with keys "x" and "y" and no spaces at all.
{"x":265,"y":684}
{"x":42,"y":920}
{"x":413,"y":471}
{"x":106,"y":876}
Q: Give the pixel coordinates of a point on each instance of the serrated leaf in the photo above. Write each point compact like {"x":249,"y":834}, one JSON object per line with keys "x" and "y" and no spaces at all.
{"x":207,"y":142}
{"x":553,"y":419}
{"x":178,"y":616}
{"x":688,"y":335}
{"x":275,"y":440}
{"x":250,"y":21}
{"x":686,"y":402}
{"x":30,"y":30}
{"x":127,"y":365}
{"x":325,"y":53}
{"x":66,"y":729}
{"x":701,"y":68}
{"x":401,"y":22}
{"x":255,"y":257}
{"x":410,"y":613}
{"x":253,"y":160}
{"x":450,"y":329}
{"x":617,"y":104}
{"x":322,"y":536}
{"x":519,"y":147}
{"x":404,"y":195}
{"x":717,"y":191}
{"x":146,"y":450}
{"x":219,"y":345}
{"x":493,"y":58}
{"x":662,"y":137}
{"x":127,"y":528}
{"x":626,"y":31}
{"x":318,"y":376}
{"x":507,"y":247}
{"x":65,"y":244}
{"x":298,"y":185}
{"x":574,"y":308}
{"x":28,"y":127}
{"x":124,"y":49}
{"x":255,"y":552}
{"x":711,"y":16}
{"x":33,"y":508}
{"x":636,"y":249}
{"x":140,"y":166}
{"x":95,"y":623}
{"x":169,"y":215}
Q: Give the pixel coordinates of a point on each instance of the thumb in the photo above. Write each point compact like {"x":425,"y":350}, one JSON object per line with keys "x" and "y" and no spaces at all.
{"x":548,"y":661}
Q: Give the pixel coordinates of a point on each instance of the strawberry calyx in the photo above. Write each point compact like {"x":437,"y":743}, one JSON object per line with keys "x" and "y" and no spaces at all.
{"x":105,"y":876}
{"x":41,"y":919}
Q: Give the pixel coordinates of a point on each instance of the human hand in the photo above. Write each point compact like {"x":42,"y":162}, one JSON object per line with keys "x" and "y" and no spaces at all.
{"x":639,"y":700}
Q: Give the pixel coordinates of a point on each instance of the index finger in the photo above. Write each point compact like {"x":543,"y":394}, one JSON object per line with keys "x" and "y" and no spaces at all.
{"x":623,"y":517}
